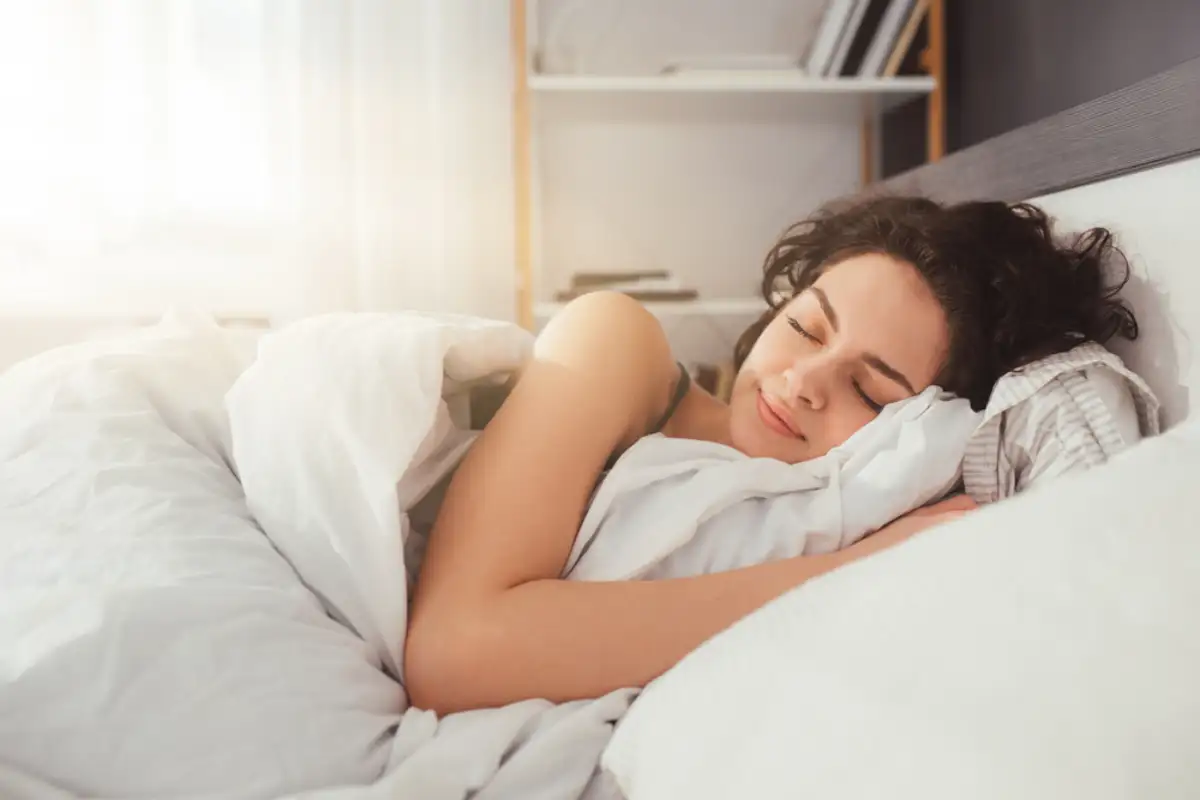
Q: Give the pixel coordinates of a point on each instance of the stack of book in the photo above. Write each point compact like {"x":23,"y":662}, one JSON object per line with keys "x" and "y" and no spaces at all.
{"x":865,"y":38}
{"x":649,"y":286}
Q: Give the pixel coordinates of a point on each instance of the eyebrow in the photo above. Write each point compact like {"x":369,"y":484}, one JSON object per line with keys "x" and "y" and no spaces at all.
{"x":884,"y":368}
{"x":823,"y":299}
{"x":889,"y":371}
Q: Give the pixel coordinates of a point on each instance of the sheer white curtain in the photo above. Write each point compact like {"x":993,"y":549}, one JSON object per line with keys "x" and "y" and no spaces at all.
{"x":271,"y":157}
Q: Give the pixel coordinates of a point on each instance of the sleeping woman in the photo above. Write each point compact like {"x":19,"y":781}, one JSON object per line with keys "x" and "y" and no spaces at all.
{"x":887,"y":297}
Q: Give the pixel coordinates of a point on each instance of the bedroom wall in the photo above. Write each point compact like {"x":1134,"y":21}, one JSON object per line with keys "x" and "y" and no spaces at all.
{"x":697,"y":185}
{"x":1017,"y":61}
{"x":1012,"y":62}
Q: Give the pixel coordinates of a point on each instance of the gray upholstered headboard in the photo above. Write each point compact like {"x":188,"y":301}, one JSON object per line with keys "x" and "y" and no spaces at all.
{"x":1129,"y":161}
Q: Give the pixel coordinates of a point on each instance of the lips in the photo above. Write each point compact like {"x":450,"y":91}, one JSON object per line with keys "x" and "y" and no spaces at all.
{"x":776,"y":419}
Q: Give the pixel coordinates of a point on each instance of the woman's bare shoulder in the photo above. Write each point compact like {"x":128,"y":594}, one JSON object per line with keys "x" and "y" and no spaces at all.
{"x":618,"y":342}
{"x":608,"y":321}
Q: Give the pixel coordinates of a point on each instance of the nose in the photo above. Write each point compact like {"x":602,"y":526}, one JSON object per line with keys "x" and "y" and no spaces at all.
{"x":808,"y":380}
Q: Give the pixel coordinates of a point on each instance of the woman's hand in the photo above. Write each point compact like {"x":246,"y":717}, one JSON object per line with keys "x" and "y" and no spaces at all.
{"x":913,"y":523}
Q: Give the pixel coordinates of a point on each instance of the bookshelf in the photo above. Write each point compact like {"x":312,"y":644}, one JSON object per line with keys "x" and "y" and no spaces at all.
{"x":861,"y":99}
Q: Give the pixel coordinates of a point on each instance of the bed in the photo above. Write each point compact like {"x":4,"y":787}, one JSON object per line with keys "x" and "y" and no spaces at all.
{"x":1045,"y":647}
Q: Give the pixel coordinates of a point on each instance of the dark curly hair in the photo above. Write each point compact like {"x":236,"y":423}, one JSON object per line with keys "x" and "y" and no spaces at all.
{"x":1011,"y":291}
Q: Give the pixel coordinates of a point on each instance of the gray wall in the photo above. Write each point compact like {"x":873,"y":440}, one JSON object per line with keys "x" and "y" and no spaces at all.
{"x":1012,"y":62}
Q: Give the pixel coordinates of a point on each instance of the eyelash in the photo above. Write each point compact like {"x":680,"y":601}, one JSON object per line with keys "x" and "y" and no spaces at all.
{"x":871,"y":404}
{"x":867,"y":401}
{"x":798,"y":329}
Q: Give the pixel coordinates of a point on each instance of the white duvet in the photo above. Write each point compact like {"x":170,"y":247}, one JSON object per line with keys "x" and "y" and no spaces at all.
{"x":206,"y":558}
{"x":672,"y":508}
{"x":155,"y":643}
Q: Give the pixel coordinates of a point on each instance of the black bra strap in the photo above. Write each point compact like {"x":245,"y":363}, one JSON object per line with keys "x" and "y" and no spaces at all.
{"x":681,"y":389}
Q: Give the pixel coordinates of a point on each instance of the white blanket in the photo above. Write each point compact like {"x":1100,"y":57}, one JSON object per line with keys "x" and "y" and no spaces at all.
{"x":142,"y":607}
{"x":153,"y":643}
{"x":674,"y":507}
{"x":339,"y":428}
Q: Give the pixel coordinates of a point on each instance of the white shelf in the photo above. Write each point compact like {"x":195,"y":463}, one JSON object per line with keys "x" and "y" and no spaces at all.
{"x":882,"y":93}
{"x":726,"y":306}
{"x":748,"y":81}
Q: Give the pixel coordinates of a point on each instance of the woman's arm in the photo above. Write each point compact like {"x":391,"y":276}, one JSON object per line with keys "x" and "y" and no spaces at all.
{"x":565,"y":640}
{"x":492,"y":623}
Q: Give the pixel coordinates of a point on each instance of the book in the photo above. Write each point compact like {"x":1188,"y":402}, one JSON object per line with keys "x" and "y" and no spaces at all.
{"x":833,"y":22}
{"x":863,"y":36}
{"x":905,"y":39}
{"x":884,"y":41}
{"x":612,"y":278}
{"x":846,"y":38}
{"x":642,"y":295}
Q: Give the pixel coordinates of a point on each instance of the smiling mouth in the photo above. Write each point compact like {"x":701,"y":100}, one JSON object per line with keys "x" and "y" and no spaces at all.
{"x":776,"y":420}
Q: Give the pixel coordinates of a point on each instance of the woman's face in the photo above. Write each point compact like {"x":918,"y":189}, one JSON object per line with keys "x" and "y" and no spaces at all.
{"x":867,"y":333}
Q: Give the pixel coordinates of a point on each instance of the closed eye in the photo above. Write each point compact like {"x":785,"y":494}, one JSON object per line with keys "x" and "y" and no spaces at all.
{"x":798,"y":328}
{"x":866,"y":398}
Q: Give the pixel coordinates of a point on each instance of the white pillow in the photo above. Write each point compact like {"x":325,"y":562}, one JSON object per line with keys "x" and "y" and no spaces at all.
{"x":152,"y":641}
{"x":1045,"y":647}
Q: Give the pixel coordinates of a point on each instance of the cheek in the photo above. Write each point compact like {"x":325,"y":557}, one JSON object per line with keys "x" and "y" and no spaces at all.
{"x":772,"y":352}
{"x":843,"y":416}
{"x":845,"y":421}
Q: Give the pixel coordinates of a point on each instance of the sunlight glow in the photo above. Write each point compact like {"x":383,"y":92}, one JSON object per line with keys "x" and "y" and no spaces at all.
{"x":131,"y":128}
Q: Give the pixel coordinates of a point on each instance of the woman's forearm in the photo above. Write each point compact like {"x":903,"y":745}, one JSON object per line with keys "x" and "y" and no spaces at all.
{"x":564,"y":640}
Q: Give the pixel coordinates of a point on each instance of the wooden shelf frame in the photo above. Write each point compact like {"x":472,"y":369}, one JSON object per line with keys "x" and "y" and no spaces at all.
{"x":933,"y":61}
{"x":522,"y":164}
